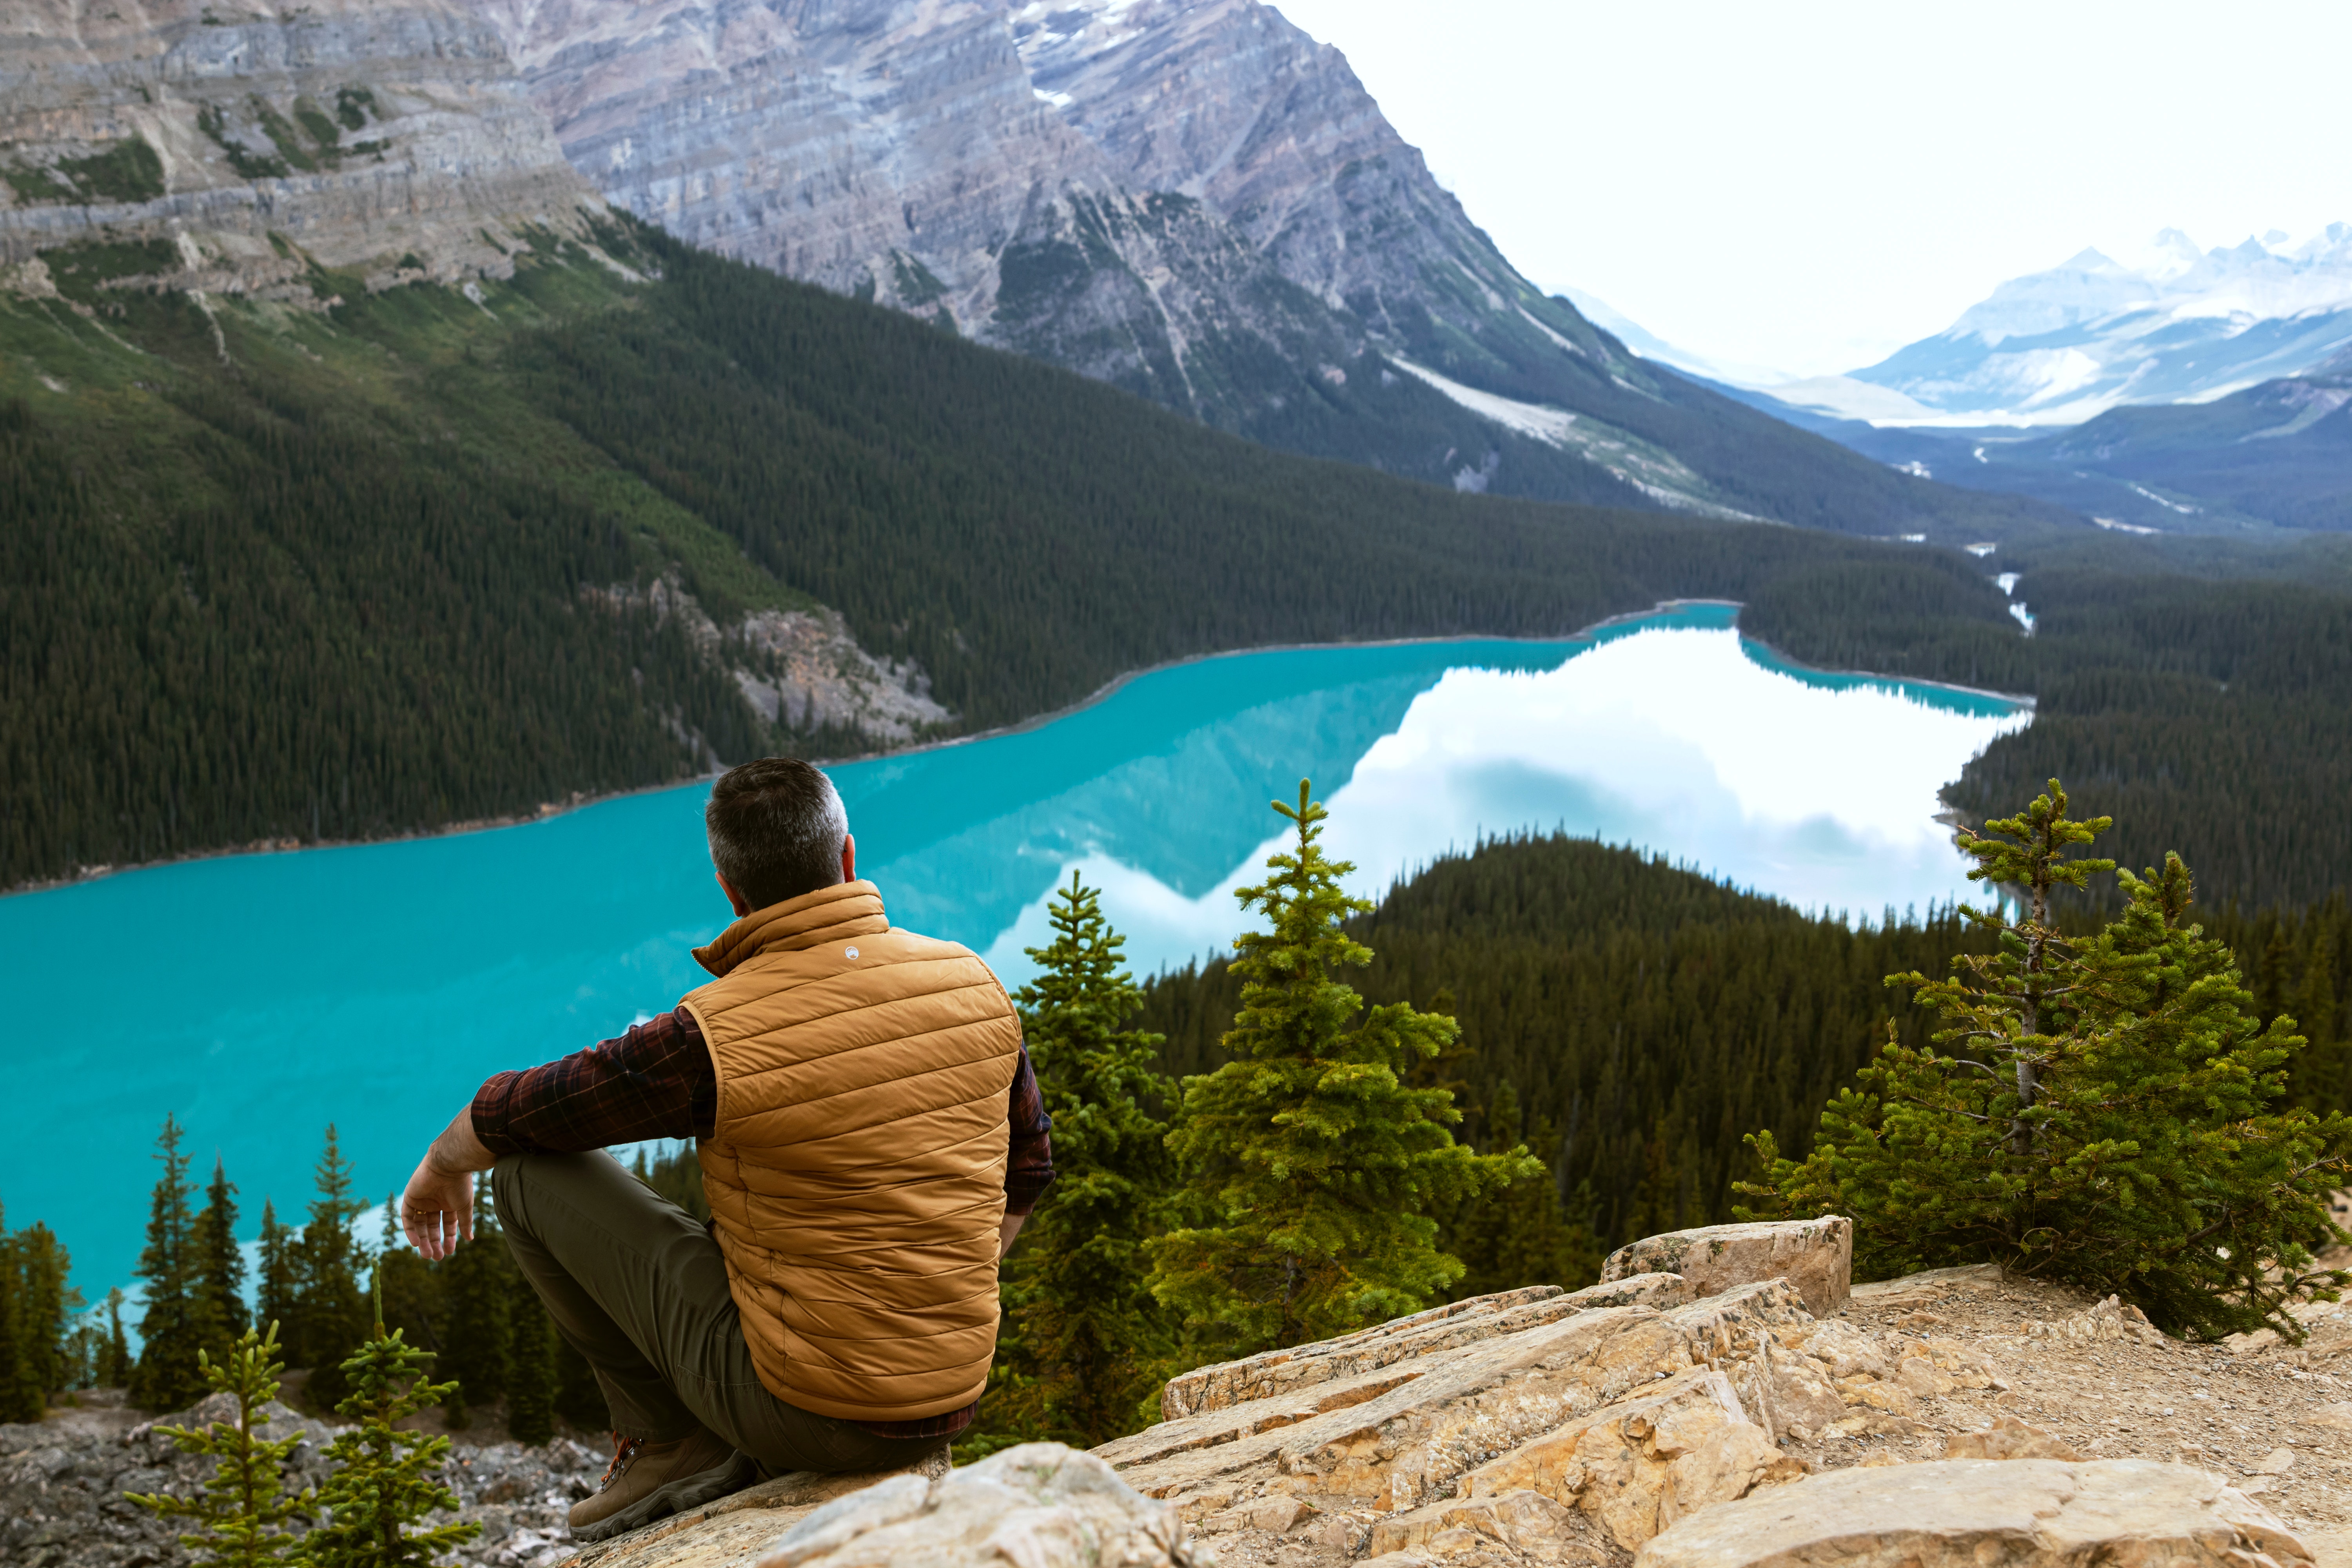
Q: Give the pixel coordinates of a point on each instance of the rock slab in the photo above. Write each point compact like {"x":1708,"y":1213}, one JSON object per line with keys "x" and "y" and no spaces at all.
{"x":1041,"y":1505}
{"x":1816,"y":1255}
{"x":1968,"y":1513}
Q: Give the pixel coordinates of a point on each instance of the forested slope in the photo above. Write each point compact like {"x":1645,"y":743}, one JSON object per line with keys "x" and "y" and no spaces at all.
{"x":2210,"y":717}
{"x":1638,"y":1020}
{"x":275,"y":574}
{"x":269,"y":573}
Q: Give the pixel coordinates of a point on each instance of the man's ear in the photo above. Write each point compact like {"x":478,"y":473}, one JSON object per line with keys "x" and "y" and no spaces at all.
{"x":848,"y":857}
{"x":734,"y":897}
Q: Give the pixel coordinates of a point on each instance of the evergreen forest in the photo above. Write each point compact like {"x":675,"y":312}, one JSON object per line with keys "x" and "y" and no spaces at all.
{"x":390,"y":568}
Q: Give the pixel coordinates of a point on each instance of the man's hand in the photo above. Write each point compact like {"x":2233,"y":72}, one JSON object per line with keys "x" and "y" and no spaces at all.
{"x":1006,"y":1232}
{"x":438,"y":1210}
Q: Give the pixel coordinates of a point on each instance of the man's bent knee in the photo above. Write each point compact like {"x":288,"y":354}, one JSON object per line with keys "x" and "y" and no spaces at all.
{"x":517,"y":1178}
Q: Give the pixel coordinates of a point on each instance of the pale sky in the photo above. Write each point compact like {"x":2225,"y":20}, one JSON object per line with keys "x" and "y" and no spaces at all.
{"x":1809,"y":186}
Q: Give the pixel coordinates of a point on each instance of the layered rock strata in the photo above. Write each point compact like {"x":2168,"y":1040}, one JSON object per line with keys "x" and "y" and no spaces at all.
{"x":231,"y":148}
{"x":1230,"y":103}
{"x":1197,"y":203}
{"x":900,"y":151}
{"x":1814,"y":1256}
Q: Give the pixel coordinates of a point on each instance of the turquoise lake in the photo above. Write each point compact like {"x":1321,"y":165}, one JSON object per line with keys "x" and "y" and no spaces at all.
{"x":258,"y":998}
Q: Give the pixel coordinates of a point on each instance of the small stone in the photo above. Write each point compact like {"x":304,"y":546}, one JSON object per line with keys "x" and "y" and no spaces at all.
{"x":2277,"y":1462}
{"x":1919,"y":1375}
{"x":2009,"y":1438}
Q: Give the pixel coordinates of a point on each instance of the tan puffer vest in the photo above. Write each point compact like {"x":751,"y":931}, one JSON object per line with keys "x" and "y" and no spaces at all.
{"x":856,"y":1169}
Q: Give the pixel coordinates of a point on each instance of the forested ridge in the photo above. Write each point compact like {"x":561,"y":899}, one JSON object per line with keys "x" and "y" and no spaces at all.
{"x":355,"y":581}
{"x":1635,"y":1020}
{"x":2210,"y":717}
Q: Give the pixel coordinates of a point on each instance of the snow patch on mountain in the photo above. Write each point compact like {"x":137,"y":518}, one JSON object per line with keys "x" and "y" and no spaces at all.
{"x":2169,"y":323}
{"x":1649,"y":468}
{"x":1549,"y":425}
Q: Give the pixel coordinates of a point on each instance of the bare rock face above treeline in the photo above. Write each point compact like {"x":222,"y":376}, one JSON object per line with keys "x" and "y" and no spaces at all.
{"x":236,"y":147}
{"x":1708,"y":1419}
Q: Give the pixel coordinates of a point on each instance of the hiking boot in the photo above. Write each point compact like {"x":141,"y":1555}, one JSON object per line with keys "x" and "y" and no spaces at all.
{"x":647,"y":1481}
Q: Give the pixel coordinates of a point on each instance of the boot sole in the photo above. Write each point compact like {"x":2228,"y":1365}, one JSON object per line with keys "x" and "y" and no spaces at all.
{"x":688,"y":1492}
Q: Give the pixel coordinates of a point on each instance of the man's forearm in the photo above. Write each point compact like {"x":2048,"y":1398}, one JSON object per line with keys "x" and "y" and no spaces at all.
{"x":457,"y":1152}
{"x":1006,"y":1231}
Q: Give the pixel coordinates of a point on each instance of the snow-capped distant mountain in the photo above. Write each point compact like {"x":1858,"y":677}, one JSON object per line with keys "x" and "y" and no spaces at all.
{"x":2176,"y":325}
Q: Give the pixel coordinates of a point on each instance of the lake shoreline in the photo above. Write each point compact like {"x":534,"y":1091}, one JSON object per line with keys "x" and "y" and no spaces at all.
{"x":580,"y":800}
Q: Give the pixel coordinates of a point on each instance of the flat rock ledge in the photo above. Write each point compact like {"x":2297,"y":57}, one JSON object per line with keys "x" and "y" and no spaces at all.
{"x":1966,"y":1513}
{"x":1040,"y":1505}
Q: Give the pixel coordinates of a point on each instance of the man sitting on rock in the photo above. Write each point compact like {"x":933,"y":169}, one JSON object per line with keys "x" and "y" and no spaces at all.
{"x":871,"y":1138}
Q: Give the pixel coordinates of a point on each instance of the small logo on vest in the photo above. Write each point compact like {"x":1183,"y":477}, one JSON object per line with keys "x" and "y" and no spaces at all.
{"x":849,"y":952}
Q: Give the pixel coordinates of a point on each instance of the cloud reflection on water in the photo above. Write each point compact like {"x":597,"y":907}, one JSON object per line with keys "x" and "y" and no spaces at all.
{"x":1677,"y":741}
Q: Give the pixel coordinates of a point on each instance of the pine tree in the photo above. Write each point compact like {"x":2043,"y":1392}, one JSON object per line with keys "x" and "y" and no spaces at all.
{"x":21,"y":1397}
{"x":1313,"y":1165}
{"x":389,"y":1478}
{"x":579,"y":1397}
{"x":277,"y":1282}
{"x":49,"y":1303}
{"x":410,"y":1287}
{"x":329,"y":1307}
{"x":1088,"y":1343}
{"x":219,"y":1287}
{"x":2323,"y":1079}
{"x":168,"y":1376}
{"x":113,"y":1369}
{"x":242,"y":1512}
{"x":2105,"y":1112}
{"x":1521,"y":1235}
{"x":477,"y":1334}
{"x":530,"y":1364}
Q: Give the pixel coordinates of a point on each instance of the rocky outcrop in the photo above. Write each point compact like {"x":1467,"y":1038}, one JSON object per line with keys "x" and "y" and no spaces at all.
{"x":800,"y":669}
{"x":1815,"y":1255}
{"x":734,"y":1530}
{"x":1619,"y":1413}
{"x":1230,"y":103}
{"x":1964,"y":1514}
{"x":900,"y":151}
{"x":237,"y":148}
{"x":1036,"y":1506}
{"x":1197,"y":203}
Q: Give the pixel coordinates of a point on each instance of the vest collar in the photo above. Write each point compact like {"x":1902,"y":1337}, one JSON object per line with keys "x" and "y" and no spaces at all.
{"x":829,"y":915}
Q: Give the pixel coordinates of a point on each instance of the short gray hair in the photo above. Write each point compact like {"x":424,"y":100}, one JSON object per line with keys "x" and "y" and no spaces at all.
{"x":776,"y":829}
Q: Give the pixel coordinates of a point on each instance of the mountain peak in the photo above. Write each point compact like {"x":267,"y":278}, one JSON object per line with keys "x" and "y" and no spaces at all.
{"x":2168,"y":323}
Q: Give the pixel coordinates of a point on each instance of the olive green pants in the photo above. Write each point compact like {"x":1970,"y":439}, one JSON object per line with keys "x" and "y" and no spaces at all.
{"x":639,"y":1288}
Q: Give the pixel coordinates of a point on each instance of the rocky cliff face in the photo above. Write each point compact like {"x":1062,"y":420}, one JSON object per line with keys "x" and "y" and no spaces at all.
{"x":1229,"y":103}
{"x":250,"y":142}
{"x":1198,"y":204}
{"x":897,"y":150}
